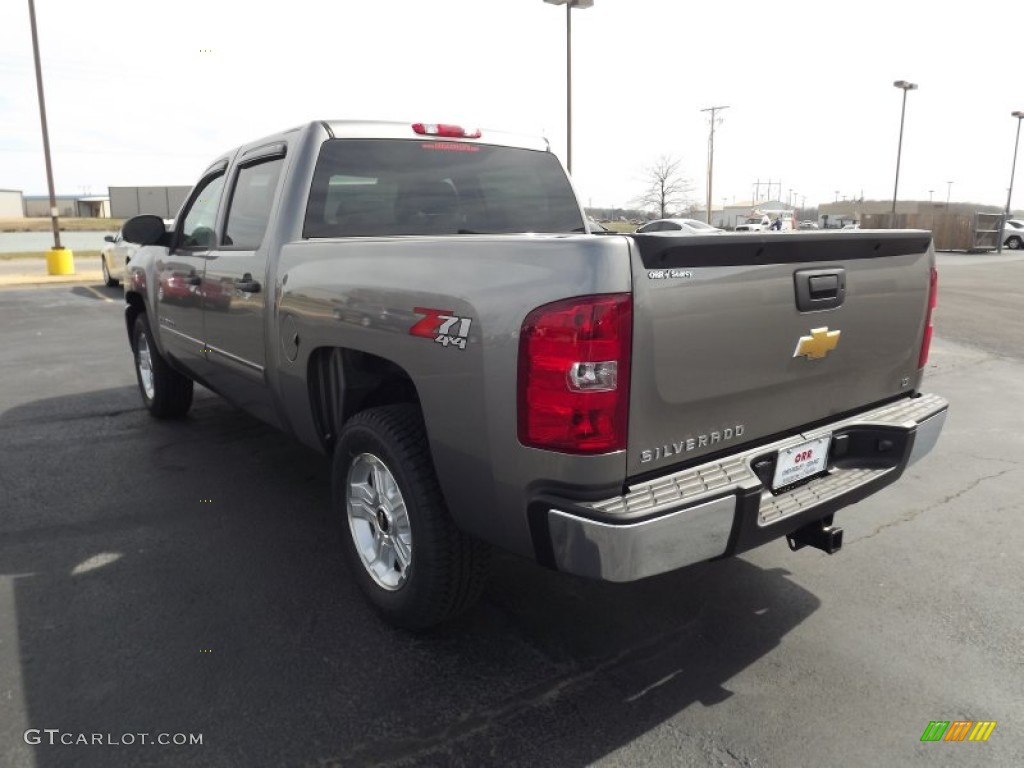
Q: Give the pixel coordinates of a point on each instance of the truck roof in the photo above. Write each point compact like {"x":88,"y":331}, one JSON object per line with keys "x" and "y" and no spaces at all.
{"x":389,"y":129}
{"x":393,"y":129}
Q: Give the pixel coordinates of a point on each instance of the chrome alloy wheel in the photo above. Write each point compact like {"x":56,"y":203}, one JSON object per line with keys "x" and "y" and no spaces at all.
{"x":144,"y":362}
{"x":379,"y":521}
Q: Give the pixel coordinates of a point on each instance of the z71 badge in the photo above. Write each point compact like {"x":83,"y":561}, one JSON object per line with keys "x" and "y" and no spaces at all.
{"x":442,"y":326}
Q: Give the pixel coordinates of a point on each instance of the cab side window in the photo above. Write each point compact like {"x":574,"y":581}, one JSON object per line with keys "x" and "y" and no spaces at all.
{"x":197,"y":229}
{"x":251,"y":201}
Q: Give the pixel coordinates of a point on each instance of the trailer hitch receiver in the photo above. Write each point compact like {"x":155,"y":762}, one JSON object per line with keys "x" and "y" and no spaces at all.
{"x":820,"y":534}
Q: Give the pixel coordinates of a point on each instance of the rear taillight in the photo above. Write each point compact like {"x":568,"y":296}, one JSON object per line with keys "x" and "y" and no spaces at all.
{"x":446,"y":130}
{"x":574,"y":358}
{"x":933,"y":298}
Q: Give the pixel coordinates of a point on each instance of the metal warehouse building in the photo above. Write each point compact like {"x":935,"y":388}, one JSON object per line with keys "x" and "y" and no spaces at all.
{"x":164,"y":202}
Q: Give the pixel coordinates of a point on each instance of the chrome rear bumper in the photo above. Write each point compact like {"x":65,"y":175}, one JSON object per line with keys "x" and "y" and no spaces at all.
{"x":723,"y":507}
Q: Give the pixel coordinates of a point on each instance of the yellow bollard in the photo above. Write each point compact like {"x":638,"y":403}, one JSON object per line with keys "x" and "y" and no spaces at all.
{"x":60,"y":261}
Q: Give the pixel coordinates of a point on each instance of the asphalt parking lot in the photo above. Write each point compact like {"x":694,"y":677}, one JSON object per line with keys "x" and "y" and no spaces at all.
{"x":185,"y":578}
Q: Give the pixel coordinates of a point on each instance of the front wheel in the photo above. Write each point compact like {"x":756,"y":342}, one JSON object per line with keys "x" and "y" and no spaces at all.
{"x":166,"y":393}
{"x":412,"y":563}
{"x":1014,"y":243}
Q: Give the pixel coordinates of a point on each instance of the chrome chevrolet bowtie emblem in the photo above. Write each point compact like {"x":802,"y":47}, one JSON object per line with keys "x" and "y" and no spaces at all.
{"x":818,"y":344}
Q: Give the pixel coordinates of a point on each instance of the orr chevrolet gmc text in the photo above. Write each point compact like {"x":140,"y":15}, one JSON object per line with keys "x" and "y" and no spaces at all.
{"x":426,"y":305}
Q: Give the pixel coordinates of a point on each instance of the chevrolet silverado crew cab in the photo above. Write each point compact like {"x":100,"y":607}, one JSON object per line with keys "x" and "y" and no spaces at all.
{"x":426,"y":306}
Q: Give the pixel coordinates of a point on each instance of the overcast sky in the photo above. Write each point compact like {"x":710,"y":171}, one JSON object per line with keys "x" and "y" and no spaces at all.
{"x":140,"y":92}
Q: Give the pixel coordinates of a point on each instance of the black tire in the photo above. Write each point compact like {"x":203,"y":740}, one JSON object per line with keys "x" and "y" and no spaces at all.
{"x":107,"y":279}
{"x":447,"y":568}
{"x":170,"y":393}
{"x":1014,"y":243}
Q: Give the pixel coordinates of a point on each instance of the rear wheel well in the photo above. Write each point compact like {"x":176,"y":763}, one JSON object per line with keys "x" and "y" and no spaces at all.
{"x":343,"y":382}
{"x":134,"y":309}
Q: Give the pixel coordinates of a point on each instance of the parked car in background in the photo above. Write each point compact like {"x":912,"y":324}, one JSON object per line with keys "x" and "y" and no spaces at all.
{"x":1013,"y":232}
{"x":754,"y":224}
{"x":851,"y":226}
{"x":767,"y":221}
{"x":113,"y":258}
{"x":115,"y":255}
{"x":807,"y":225}
{"x":679,"y":226}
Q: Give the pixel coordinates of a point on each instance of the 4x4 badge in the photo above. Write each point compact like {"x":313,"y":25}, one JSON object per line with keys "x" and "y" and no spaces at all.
{"x":818,"y":344}
{"x":442,"y":326}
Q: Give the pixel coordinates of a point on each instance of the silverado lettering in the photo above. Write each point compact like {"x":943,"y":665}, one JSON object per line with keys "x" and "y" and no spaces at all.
{"x":691,"y":444}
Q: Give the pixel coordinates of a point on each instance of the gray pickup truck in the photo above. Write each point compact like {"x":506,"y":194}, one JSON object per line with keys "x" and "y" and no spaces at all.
{"x":427,"y":306}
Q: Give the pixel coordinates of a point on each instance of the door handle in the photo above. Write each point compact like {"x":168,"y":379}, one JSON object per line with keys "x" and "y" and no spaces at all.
{"x":818,"y":289}
{"x":824,"y":287}
{"x":247,"y":285}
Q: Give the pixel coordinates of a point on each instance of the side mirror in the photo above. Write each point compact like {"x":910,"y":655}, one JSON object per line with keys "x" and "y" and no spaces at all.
{"x":109,"y":238}
{"x":144,"y":230}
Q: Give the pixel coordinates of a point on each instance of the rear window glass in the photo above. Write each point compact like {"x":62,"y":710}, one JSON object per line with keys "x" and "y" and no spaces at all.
{"x":371,"y":187}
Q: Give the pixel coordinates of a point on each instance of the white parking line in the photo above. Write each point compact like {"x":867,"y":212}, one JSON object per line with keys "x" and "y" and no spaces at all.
{"x":97,"y":294}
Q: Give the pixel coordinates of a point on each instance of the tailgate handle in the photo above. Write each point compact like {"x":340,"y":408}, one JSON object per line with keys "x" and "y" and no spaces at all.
{"x":818,"y":289}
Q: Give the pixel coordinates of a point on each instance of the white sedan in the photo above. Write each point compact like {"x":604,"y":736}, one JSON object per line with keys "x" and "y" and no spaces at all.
{"x":116,"y":253}
{"x":679,"y":226}
{"x":114,"y":256}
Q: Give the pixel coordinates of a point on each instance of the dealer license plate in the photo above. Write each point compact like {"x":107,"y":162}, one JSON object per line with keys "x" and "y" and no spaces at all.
{"x":801,"y":461}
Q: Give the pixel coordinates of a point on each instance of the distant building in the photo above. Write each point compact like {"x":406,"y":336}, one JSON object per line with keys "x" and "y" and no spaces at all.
{"x":12,"y":206}
{"x":94,"y":207}
{"x":836,"y":214}
{"x":164,"y":202}
{"x":70,"y":206}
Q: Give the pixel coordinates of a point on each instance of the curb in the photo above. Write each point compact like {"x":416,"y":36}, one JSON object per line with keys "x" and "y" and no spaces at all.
{"x":11,"y":281}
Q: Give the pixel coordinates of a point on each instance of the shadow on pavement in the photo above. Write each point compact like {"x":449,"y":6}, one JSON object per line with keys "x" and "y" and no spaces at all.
{"x":186,"y":578}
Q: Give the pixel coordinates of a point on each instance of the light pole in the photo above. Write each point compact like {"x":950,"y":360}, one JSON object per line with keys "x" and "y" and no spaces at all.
{"x":1009,"y":193}
{"x":949,"y":190}
{"x":569,"y":5}
{"x":711,"y":153}
{"x":42,"y":120}
{"x":899,"y":149}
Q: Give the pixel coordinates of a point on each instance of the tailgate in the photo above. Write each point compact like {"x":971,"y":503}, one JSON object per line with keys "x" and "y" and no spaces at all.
{"x":741,"y":337}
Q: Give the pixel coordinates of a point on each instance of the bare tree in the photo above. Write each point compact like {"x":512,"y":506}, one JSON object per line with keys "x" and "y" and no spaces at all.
{"x":666,"y":188}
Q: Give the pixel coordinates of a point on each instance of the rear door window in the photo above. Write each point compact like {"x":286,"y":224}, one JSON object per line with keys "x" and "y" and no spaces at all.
{"x":370,"y":187}
{"x":251,"y":200}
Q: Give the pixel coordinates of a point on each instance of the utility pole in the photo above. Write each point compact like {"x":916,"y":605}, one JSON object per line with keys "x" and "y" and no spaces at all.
{"x":1009,"y":192}
{"x":905,"y":86}
{"x":569,"y":5}
{"x":42,"y":119}
{"x":711,"y":152}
